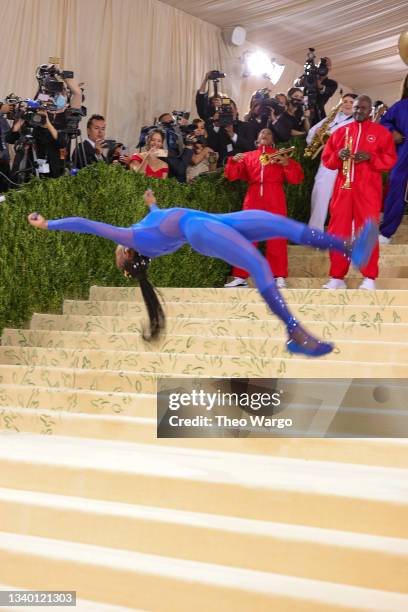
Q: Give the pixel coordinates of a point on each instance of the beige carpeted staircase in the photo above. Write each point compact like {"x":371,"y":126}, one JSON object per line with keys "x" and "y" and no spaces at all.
{"x":91,"y":501}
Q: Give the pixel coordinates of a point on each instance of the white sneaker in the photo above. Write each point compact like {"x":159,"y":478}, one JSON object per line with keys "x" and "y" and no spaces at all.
{"x":280,"y":282}
{"x":368,"y":283}
{"x":383,"y":239}
{"x":236,"y":282}
{"x":335,"y":283}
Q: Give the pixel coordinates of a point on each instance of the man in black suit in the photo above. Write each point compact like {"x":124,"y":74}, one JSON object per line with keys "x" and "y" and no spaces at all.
{"x":90,"y":150}
{"x":228,"y":139}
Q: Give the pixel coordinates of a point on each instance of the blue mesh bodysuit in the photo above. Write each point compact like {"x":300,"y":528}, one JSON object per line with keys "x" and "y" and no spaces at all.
{"x":229,"y":237}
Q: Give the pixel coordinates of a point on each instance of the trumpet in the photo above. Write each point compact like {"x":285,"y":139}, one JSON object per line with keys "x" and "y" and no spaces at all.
{"x":268,"y":158}
{"x":348,"y":145}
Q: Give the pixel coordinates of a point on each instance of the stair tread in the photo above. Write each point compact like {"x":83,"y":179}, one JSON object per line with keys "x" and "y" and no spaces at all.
{"x":208,"y":574}
{"x":323,"y":477}
{"x":203,"y":520}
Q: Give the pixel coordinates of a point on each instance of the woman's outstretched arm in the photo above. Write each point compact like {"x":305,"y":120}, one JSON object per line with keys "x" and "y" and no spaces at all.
{"x":79,"y":225}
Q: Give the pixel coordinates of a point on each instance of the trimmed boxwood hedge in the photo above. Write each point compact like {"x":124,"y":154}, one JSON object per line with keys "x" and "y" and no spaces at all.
{"x":39,"y":269}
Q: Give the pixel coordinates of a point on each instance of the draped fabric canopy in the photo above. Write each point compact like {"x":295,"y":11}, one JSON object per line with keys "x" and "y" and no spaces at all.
{"x":137,"y":59}
{"x":141,"y":58}
{"x":360,"y":36}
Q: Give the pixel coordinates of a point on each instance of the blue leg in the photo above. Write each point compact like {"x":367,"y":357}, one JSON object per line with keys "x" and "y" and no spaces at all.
{"x":260,"y":225}
{"x":394,"y":204}
{"x":215,"y":239}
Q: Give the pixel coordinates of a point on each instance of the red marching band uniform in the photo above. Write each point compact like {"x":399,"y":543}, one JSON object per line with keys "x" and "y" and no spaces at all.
{"x":265,"y":192}
{"x":363,"y":200}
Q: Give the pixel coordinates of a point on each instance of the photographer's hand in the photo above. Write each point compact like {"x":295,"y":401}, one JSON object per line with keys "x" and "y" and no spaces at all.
{"x":17,"y":125}
{"x":48,"y":124}
{"x":230,"y":131}
{"x":76,"y":93}
{"x":36,"y":220}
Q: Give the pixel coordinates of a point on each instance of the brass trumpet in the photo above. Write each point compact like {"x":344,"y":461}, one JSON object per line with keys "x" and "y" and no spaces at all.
{"x":267,"y":158}
{"x":348,"y":145}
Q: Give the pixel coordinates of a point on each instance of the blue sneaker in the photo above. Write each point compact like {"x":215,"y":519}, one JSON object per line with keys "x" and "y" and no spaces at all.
{"x":364,"y":244}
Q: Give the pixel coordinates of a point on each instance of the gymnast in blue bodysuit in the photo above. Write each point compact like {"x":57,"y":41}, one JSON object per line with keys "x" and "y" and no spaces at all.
{"x":226,"y":236}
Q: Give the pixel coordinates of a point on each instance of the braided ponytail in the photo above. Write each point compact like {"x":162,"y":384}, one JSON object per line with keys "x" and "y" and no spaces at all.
{"x":137,"y":268}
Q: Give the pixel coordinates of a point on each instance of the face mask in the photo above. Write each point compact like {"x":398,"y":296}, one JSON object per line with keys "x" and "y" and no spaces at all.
{"x":59,"y":102}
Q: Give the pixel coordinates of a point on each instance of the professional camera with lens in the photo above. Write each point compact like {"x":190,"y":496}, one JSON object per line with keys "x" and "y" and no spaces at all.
{"x":224,"y":110}
{"x":189,"y":138}
{"x":216,"y":75}
{"x":267,"y":103}
{"x":179,"y":115}
{"x":73,"y":117}
{"x":311,"y":75}
{"x":50,"y":78}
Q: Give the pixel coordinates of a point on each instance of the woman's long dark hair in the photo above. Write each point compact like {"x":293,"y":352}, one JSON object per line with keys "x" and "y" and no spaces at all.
{"x":137,"y":268}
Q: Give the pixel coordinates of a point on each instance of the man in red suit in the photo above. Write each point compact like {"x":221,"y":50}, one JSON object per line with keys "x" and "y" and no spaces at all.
{"x":265,"y":192}
{"x":369,"y":150}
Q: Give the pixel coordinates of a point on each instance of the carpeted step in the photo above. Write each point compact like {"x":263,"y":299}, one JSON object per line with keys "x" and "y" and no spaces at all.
{"x":333,"y":556}
{"x":314,"y":493}
{"x":164,"y":584}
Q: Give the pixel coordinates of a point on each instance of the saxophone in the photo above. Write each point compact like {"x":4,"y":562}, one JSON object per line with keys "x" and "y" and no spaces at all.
{"x":313,"y":149}
{"x":348,"y":144}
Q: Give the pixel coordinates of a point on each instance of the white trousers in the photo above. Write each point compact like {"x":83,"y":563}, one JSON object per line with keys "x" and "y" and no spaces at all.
{"x":321,"y":196}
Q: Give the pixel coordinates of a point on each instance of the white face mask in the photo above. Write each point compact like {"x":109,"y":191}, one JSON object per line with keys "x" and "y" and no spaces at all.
{"x":59,"y":101}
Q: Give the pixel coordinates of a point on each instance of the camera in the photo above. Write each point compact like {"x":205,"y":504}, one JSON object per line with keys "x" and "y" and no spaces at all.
{"x":311,"y":75}
{"x":73,"y":117}
{"x":224,"y":110}
{"x":179,"y":115}
{"x":266,"y":103}
{"x":50,"y":78}
{"x":215,"y":75}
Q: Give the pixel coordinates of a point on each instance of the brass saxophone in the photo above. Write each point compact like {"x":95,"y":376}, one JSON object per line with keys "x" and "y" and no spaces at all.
{"x":348,"y":144}
{"x":313,"y":149}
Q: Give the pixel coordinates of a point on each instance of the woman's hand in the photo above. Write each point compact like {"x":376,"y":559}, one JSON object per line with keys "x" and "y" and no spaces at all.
{"x":36,"y":220}
{"x":149,"y":198}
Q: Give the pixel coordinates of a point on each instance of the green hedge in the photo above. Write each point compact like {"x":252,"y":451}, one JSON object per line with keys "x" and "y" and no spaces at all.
{"x":39,"y":269}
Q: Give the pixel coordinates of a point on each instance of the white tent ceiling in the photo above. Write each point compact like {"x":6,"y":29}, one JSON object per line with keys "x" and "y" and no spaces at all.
{"x":360,"y":36}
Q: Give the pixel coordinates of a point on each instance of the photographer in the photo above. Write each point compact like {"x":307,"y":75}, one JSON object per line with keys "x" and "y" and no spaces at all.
{"x":206,"y":105}
{"x":317,"y":87}
{"x":227,"y":135}
{"x":4,"y":152}
{"x":294,"y":121}
{"x":40,"y":125}
{"x":37,"y":149}
{"x":91,"y":149}
{"x":265,"y":110}
{"x":179,"y":156}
